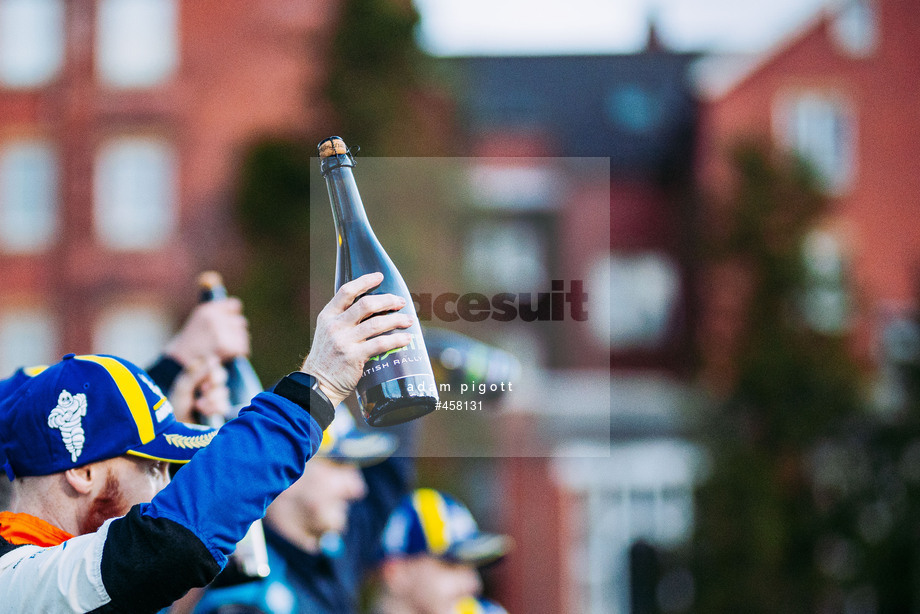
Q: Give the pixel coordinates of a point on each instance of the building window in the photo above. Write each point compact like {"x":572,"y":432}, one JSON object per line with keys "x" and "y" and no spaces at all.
{"x":28,"y":196}
{"x":644,"y":294}
{"x":855,"y":29}
{"x":825,"y":301}
{"x":135,"y":332}
{"x":135,"y":193}
{"x":136,"y":42}
{"x":28,"y":336}
{"x":821,"y":128}
{"x":31,"y":41}
{"x":633,"y":108}
{"x":641,"y":493}
{"x":530,"y":185}
{"x":508,"y":255}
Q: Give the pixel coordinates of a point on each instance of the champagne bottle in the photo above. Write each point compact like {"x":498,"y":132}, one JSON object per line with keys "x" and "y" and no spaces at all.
{"x":397,"y":386}
{"x":242,"y":381}
{"x":464,"y":363}
{"x":249,"y":561}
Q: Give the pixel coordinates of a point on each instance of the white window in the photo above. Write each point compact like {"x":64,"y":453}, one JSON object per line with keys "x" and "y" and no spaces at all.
{"x":28,"y":336}
{"x":643,"y":293}
{"x":821,"y":128}
{"x":825,"y":301}
{"x":31,"y":41}
{"x":507,"y":256}
{"x":28,"y":196}
{"x":642,"y":491}
{"x":135,"y":332}
{"x":855,"y":28}
{"x":135,"y":193}
{"x":136,"y":42}
{"x":531,"y":185}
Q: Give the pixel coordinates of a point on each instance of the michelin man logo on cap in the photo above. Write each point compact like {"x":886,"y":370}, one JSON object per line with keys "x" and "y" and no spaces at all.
{"x":67,"y":416}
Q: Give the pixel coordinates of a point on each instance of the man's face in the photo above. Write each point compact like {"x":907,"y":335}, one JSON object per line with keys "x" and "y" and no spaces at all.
{"x":430,"y":585}
{"x":125,"y":482}
{"x":324,"y":493}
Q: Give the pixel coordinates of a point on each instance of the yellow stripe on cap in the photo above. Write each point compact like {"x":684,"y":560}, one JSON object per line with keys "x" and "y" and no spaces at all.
{"x":130,"y":389}
{"x":326,"y":442}
{"x":157,"y":458}
{"x":468,"y":605}
{"x":432,"y":513}
{"x":33,"y":371}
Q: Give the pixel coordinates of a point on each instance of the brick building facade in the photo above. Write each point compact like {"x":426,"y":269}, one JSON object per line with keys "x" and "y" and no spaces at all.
{"x":121,"y":125}
{"x":843,"y":92}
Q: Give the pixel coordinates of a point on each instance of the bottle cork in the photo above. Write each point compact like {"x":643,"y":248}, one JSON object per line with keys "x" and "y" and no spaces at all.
{"x":333,"y":146}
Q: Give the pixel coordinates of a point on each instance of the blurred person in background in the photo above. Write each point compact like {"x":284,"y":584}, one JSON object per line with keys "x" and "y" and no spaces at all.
{"x":323,"y":532}
{"x":213,"y":333}
{"x":432,"y":548}
{"x":87,"y":443}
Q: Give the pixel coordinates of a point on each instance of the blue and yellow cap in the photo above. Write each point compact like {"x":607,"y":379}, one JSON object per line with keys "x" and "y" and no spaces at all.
{"x":478,"y":605}
{"x":86,"y":409}
{"x":430,"y":522}
{"x":17,"y":379}
{"x":344,"y":442}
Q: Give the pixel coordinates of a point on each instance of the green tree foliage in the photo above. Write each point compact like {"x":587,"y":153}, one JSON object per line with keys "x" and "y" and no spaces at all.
{"x":758,"y":522}
{"x":374,"y":72}
{"x":273,"y":213}
{"x":373,"y":61}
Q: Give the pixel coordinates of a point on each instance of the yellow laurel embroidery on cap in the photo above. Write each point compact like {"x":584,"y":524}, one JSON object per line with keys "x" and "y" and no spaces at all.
{"x":432,"y":513}
{"x":33,"y":371}
{"x":130,"y":389}
{"x":187,"y":442}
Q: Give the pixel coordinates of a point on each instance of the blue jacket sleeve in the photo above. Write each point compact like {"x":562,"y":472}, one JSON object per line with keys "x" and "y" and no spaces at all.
{"x":229,"y":484}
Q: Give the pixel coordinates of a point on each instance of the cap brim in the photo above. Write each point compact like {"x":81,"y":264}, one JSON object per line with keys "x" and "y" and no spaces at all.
{"x":177,"y":443}
{"x":480,"y":549}
{"x":363,"y":449}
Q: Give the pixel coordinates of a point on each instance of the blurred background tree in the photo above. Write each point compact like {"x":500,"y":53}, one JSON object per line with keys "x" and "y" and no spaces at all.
{"x":372,"y":78}
{"x":758,"y":522}
{"x":274,"y":216}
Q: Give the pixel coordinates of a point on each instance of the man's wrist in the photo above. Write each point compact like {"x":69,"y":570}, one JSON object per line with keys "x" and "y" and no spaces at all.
{"x":304,"y":389}
{"x":334,"y":397}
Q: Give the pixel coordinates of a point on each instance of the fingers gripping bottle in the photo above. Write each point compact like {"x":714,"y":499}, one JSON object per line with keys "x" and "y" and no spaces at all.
{"x":242,"y":381}
{"x":399,"y":385}
{"x":249,"y":561}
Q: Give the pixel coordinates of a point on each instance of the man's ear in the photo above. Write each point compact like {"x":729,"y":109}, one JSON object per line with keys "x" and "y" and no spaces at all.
{"x":394,"y":574}
{"x":82,"y":479}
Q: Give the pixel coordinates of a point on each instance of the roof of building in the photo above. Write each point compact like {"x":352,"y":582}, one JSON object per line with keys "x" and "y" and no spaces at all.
{"x":637,"y":109}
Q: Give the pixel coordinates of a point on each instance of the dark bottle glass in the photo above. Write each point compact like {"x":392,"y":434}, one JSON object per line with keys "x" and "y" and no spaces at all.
{"x":399,"y":385}
{"x":468,"y":364}
{"x":242,"y":381}
{"x":249,"y":562}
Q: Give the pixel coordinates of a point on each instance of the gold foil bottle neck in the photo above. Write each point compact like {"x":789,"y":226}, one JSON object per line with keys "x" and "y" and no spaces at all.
{"x":333,"y":146}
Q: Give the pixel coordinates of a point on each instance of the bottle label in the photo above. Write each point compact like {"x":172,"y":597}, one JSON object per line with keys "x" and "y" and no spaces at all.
{"x":394,"y":364}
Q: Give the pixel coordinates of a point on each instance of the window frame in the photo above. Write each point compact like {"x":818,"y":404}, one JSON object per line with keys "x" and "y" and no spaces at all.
{"x":109,"y":192}
{"x":786,"y":123}
{"x":55,"y":55}
{"x":46,"y":236}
